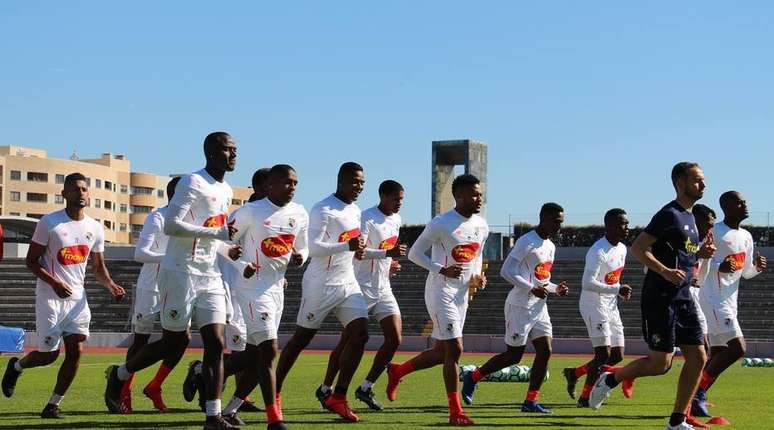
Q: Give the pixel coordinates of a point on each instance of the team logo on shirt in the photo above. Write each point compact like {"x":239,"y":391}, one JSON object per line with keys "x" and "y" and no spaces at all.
{"x":310,"y":316}
{"x":613,"y":277}
{"x":449,"y":327}
{"x":387,"y":244}
{"x":264,"y":316}
{"x":48,"y":340}
{"x":291,"y":222}
{"x":75,"y":254}
{"x":465,"y":253}
{"x":737,"y":259}
{"x":347,"y":235}
{"x":89,"y":236}
{"x":277,"y":246}
{"x":543,"y":270}
{"x":236,"y":339}
{"x":215,"y":221}
{"x":173,"y":314}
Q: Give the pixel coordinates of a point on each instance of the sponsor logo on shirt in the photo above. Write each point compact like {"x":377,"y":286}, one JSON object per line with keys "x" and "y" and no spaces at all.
{"x":75,"y":254}
{"x":347,"y":235}
{"x":737,"y":259}
{"x":465,"y":253}
{"x":613,"y":277}
{"x":215,"y":221}
{"x":277,"y":246}
{"x":387,"y":244}
{"x":691,"y":247}
{"x":543,"y":270}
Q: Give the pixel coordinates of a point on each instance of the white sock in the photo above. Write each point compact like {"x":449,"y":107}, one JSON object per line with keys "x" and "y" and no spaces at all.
{"x":198,"y":369}
{"x":366,"y":385}
{"x":55,"y":399}
{"x":123,"y":374}
{"x":212,"y":407}
{"x":233,"y":405}
{"x":325,"y":388}
{"x":17,"y":366}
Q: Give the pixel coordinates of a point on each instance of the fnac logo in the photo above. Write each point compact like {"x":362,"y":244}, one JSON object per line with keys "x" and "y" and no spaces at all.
{"x":348,"y":235}
{"x":613,"y":277}
{"x":215,"y":221}
{"x":388,"y":244}
{"x":277,"y":246}
{"x":465,"y":253}
{"x":75,"y":254}
{"x":543,"y":270}
{"x":737,"y":259}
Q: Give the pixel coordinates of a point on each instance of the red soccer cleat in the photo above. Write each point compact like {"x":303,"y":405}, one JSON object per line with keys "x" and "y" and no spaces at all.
{"x":125,"y":404}
{"x":460,"y":420}
{"x":627,"y":388}
{"x":689,"y":419}
{"x":719,"y":421}
{"x":392,"y":384}
{"x":155,"y":395}
{"x":339,"y":405}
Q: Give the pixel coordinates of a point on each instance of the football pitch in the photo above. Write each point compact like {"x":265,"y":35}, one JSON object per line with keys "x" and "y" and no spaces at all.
{"x":740,"y":395}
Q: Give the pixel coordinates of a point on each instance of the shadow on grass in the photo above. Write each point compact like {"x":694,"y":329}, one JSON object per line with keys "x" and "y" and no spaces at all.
{"x":66,"y":424}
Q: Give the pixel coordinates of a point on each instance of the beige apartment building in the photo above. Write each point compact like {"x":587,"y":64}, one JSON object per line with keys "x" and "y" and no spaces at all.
{"x":31,"y":184}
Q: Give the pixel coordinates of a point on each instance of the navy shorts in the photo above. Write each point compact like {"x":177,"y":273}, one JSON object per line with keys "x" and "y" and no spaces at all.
{"x":668,"y":322}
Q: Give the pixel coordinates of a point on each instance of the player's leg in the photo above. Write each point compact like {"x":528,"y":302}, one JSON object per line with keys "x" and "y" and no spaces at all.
{"x":356,"y":335}
{"x":325,"y":390}
{"x":300,"y":340}
{"x":598,"y":327}
{"x":538,"y":373}
{"x":67,"y":370}
{"x":695,"y":358}
{"x":245,"y":384}
{"x":601,"y":357}
{"x":392,"y":330}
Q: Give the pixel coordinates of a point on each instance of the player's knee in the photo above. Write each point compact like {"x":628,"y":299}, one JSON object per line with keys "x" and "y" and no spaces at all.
{"x":739,"y":350}
{"x":601,"y":357}
{"x":614,"y":358}
{"x":49,"y":357}
{"x":215,"y":345}
{"x":393,"y":342}
{"x":359,"y":337}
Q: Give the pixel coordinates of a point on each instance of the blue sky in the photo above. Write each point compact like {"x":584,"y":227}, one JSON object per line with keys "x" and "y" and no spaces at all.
{"x":585,"y":103}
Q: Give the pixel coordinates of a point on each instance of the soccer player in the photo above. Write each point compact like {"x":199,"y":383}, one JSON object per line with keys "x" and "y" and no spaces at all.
{"x":733,"y":260}
{"x":379,"y":227}
{"x":149,"y":250}
{"x":190,"y":283}
{"x":598,"y":303}
{"x":668,"y":247}
{"x":705,"y":219}
{"x":528,"y":269}
{"x":329,"y":285}
{"x":58,"y":254}
{"x":457,"y":239}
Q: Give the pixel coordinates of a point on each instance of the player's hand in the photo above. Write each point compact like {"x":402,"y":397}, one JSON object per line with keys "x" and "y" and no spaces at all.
{"x":760,"y":262}
{"x":360,"y":254}
{"x":296,"y":259}
{"x":728,"y":266}
{"x":394,"y":267}
{"x":562,"y":289}
{"x":250,"y":270}
{"x":454,"y":272}
{"x":235,"y":252}
{"x":397,"y":251}
{"x":675,"y":276}
{"x":540,"y":291}
{"x":356,"y":244}
{"x":116,"y":291}
{"x":285,"y":283}
{"x":231,"y":229}
{"x":477,"y":282}
{"x":62,"y":290}
{"x":625,"y":292}
{"x":708,"y":249}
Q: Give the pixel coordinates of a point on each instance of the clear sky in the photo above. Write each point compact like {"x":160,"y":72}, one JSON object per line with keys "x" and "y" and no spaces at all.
{"x":585,"y":103}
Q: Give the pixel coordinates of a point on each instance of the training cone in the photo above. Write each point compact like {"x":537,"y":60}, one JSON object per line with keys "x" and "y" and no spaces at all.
{"x":718,"y":421}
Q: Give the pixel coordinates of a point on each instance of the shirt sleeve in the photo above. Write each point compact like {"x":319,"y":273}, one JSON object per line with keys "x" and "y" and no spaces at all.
{"x":595,"y":258}
{"x":417,"y":254}
{"x":142,"y":252}
{"x":41,"y":233}
{"x":750,"y":269}
{"x":318,"y":229}
{"x":510,"y":268}
{"x":186,"y":194}
{"x":660,"y":224}
{"x":99,"y":240}
{"x":370,"y":253}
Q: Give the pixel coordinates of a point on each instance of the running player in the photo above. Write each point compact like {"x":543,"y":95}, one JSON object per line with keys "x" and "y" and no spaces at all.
{"x":189,"y":281}
{"x":718,"y":296}
{"x":457,"y":239}
{"x":329,"y":285}
{"x":601,"y":285}
{"x":379,"y":227}
{"x":528,"y":269}
{"x":58,"y":254}
{"x":668,"y":247}
{"x":705,"y":219}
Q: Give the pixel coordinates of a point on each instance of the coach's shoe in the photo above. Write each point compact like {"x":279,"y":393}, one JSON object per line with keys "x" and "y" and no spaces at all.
{"x":338,"y":404}
{"x":218,"y":423}
{"x":249,"y":406}
{"x":322,"y":397}
{"x":699,"y":404}
{"x":113,"y":390}
{"x":682,"y":426}
{"x":392,"y":383}
{"x":468,"y":387}
{"x":190,"y":385}
{"x":572,"y":380}
{"x":279,"y":425}
{"x":600,"y":392}
{"x":234,"y":420}
{"x":154,"y":394}
{"x":367,"y":397}
{"x":583,"y":403}
{"x":460,"y":420}
{"x":533,"y":406}
{"x":52,"y":411}
{"x":10,"y":377}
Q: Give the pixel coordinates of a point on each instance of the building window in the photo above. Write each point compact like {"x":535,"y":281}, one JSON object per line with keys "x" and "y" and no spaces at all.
{"x":108,"y":225}
{"x":142,"y":190}
{"x":236,"y":202}
{"x":58,"y":199}
{"x":98,"y":183}
{"x":15,"y":196}
{"x":122,"y":227}
{"x":123,"y":208}
{"x":14,"y":214}
{"x":37,"y":197}
{"x":160,"y":194}
{"x":59,"y":179}
{"x":97,"y":202}
{"x":109,"y":186}
{"x":124,"y":189}
{"x":136,"y":229}
{"x":141,"y":209}
{"x":15,"y":175}
{"x":37,"y":177}
{"x":88,"y":182}
{"x":108,"y":205}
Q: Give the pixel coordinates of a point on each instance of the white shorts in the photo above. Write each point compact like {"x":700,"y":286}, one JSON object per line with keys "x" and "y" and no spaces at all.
{"x":382,"y":306}
{"x":236,"y":332}
{"x":604,"y":326}
{"x":146,"y":308}
{"x":447,"y":310}
{"x":522,"y":324}
{"x":56,"y":318}
{"x":700,"y":310}
{"x":722,"y":325}
{"x":186,"y":298}
{"x":317,"y":301}
{"x":262,"y":313}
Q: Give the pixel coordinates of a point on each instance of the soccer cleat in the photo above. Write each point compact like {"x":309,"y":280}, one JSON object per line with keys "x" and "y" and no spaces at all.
{"x":627,"y":388}
{"x":322,"y":397}
{"x":392,"y":384}
{"x":113,"y":390}
{"x":340,"y":407}
{"x":125,"y":405}
{"x":699,"y":404}
{"x":10,"y":377}
{"x":367,"y":397}
{"x":460,"y":420}
{"x":218,"y":423}
{"x":234,"y":420}
{"x":249,"y":406}
{"x":695,"y":423}
{"x":155,"y":395}
{"x":682,"y":426}
{"x":572,"y":380}
{"x":190,"y":385}
{"x":600,"y":392}
{"x":468,"y":388}
{"x":52,"y":411}
{"x":583,"y":403}
{"x":279,"y":425}
{"x":533,"y":406}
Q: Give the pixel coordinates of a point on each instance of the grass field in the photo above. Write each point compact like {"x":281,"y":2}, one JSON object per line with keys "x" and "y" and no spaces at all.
{"x":741,"y":395}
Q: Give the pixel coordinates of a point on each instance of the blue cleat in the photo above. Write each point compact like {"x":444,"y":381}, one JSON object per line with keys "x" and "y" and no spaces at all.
{"x":533,"y":406}
{"x":699,"y":404}
{"x":468,"y":388}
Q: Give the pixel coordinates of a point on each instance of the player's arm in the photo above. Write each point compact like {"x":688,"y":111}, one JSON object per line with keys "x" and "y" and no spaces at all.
{"x":370,"y":253}
{"x":100,"y":271}
{"x":641,"y":248}
{"x":753,"y":266}
{"x":594,"y":260}
{"x":142,"y":251}
{"x":301,"y":245}
{"x":318,"y":231}
{"x":34,"y":254}
{"x":179,"y":207}
{"x":510,"y":268}
{"x":418,"y":252}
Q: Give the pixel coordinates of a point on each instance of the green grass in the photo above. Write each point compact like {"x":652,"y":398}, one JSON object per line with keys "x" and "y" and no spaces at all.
{"x":741,"y":395}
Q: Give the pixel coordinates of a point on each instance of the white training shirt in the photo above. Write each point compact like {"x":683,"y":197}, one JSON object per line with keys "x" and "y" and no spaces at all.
{"x":150,"y":249}
{"x":453,"y":240}
{"x":720,"y":290}
{"x":68,"y":245}
{"x":602,"y":275}
{"x":268,"y":234}
{"x":332,"y":223}
{"x":528,"y":265}
{"x":196,"y":224}
{"x":381,"y":234}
